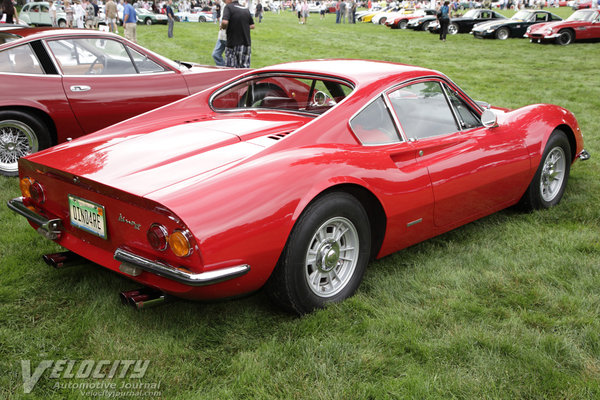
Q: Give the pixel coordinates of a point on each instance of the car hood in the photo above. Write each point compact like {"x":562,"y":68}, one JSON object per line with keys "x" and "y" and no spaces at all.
{"x":555,"y":24}
{"x":155,"y":155}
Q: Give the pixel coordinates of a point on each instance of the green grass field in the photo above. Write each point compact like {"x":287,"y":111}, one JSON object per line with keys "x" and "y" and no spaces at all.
{"x":506,"y":307}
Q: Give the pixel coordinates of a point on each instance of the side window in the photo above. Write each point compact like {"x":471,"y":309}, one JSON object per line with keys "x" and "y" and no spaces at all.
{"x":422,"y":110}
{"x":541,"y":17}
{"x":20,"y":60}
{"x":467,"y":117}
{"x":374,"y":124}
{"x":92,"y":57}
{"x":144,"y":64}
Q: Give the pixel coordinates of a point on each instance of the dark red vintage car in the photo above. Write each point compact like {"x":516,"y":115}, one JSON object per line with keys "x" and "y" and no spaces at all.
{"x":293,"y":177}
{"x":581,"y":25}
{"x":59,"y":84}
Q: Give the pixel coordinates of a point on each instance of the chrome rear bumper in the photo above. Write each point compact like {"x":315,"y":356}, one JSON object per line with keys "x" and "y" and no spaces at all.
{"x":166,"y":271}
{"x":48,"y":228}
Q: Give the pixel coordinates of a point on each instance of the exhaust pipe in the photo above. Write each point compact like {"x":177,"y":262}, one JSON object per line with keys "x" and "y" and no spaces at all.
{"x":143,"y":298}
{"x":63,"y":260}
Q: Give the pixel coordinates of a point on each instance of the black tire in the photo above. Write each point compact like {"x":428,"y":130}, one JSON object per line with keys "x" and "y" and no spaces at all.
{"x":20,"y":134}
{"x":314,"y":270}
{"x":402,"y":24}
{"x":62,"y":23}
{"x":425,"y":25}
{"x":202,"y":19}
{"x":502,"y":33}
{"x":550,"y":180}
{"x":565,"y":37}
{"x":148,"y":21}
{"x":382,"y":21}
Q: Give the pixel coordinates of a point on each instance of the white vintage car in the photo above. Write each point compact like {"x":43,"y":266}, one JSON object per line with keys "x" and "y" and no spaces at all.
{"x":38,"y":13}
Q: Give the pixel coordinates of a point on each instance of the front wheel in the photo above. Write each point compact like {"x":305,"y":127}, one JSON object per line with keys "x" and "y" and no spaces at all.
{"x":325,"y":256}
{"x":148,"y":21}
{"x":565,"y":37}
{"x":426,"y":25}
{"x":453,"y":28}
{"x":20,"y":134}
{"x":550,"y":180}
{"x":502,"y":34}
{"x":402,"y":24}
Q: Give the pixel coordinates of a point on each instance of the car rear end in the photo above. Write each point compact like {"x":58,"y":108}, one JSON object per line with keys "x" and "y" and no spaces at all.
{"x":131,"y":235}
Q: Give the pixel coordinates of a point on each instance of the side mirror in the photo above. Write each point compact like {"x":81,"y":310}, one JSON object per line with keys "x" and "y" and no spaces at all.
{"x":489,"y":119}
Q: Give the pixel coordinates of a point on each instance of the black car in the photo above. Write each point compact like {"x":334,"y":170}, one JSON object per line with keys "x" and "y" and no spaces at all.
{"x":513,"y":27}
{"x":465,"y":23}
{"x":421,"y":24}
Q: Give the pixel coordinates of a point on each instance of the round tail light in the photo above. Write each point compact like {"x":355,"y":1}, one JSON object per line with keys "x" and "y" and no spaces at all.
{"x":157,"y":237}
{"x":180,"y":244}
{"x":37,"y":193}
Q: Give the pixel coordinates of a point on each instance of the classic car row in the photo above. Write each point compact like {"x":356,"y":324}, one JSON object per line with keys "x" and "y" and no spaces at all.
{"x":538,"y":25}
{"x":290,"y":177}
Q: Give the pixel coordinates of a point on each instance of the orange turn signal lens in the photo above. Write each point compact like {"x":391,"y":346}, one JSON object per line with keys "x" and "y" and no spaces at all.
{"x":25,"y":185}
{"x":180,"y":244}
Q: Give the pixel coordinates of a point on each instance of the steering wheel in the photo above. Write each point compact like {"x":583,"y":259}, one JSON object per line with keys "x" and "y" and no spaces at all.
{"x":321,"y":99}
{"x":92,"y":71}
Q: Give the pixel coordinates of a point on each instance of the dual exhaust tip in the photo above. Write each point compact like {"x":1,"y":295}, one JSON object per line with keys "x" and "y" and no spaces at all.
{"x":143,"y":298}
{"x":139,"y":298}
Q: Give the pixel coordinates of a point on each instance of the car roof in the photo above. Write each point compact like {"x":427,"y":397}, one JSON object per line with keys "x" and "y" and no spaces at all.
{"x":357,"y":71}
{"x":29,"y":33}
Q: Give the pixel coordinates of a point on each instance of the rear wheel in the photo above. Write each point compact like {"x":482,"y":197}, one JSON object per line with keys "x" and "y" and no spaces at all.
{"x":550,"y":180}
{"x":502,"y":33}
{"x":453,"y":28}
{"x":565,"y":37}
{"x":402,"y":24}
{"x":325,"y":257}
{"x":148,"y":21}
{"x":202,"y":19}
{"x":62,"y":23}
{"x":426,"y":25}
{"x":20,"y":134}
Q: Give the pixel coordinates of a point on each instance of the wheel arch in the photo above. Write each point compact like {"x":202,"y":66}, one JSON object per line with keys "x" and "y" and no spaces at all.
{"x":570,"y":136}
{"x":41,"y":115}
{"x":370,"y":203}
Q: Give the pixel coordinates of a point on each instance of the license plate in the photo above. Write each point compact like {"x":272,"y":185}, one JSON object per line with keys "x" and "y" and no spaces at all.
{"x":88,"y":216}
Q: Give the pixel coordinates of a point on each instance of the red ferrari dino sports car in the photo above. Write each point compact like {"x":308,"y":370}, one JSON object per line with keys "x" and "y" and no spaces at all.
{"x":293,"y":177}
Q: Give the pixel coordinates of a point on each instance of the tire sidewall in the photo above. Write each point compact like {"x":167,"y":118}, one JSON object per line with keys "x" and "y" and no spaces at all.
{"x":294,"y":261}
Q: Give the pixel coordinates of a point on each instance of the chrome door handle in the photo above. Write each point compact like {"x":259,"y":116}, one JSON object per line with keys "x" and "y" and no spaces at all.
{"x":80,"y":88}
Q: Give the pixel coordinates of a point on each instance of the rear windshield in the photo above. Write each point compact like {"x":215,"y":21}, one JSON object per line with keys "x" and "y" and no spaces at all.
{"x":284,"y":92}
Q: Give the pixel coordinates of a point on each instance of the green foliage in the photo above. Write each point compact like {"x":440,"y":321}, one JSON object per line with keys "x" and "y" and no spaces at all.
{"x":505,"y":307}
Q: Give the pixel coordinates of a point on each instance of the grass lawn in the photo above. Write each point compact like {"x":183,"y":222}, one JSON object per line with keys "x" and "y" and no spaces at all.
{"x":505,"y":307}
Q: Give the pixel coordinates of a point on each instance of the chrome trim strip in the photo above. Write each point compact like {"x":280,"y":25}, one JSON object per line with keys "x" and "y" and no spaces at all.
{"x":169,"y":272}
{"x":584,"y":155}
{"x":417,"y":221}
{"x":49,"y":228}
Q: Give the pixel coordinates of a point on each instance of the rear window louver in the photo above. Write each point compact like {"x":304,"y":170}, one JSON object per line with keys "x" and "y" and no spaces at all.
{"x":279,"y":136}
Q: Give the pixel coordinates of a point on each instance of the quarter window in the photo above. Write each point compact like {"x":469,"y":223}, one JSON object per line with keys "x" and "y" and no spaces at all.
{"x":20,"y":60}
{"x":422,"y":110}
{"x":374,"y":125}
